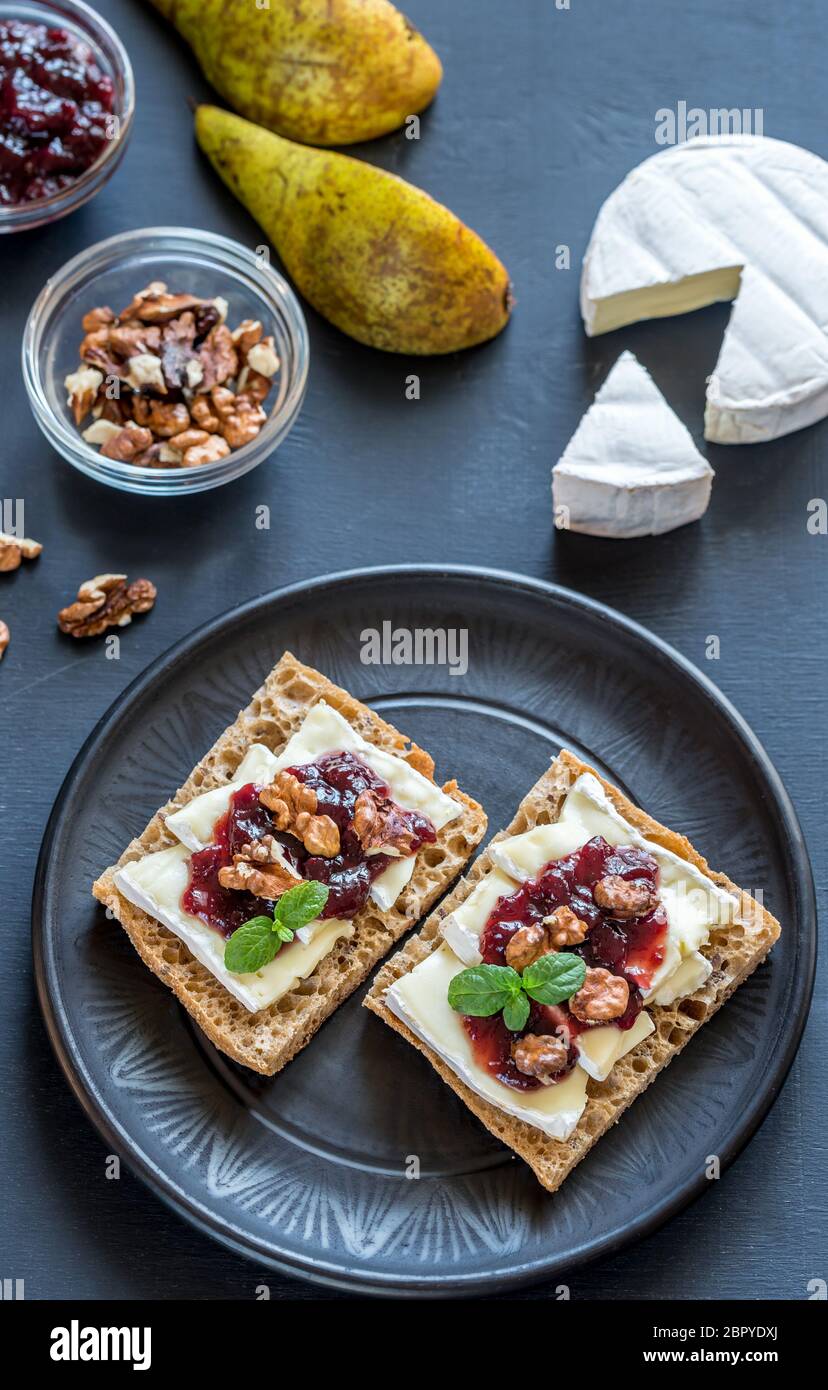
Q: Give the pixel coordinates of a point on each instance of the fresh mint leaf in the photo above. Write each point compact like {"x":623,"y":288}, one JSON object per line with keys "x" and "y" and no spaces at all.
{"x":301,"y":905}
{"x":252,"y":946}
{"x":516,"y":1013}
{"x":555,"y":977}
{"x":284,"y":933}
{"x":483,"y":990}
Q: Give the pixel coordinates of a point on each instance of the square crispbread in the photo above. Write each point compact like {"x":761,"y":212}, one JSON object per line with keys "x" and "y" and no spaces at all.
{"x":734,"y":951}
{"x":267,"y":1040}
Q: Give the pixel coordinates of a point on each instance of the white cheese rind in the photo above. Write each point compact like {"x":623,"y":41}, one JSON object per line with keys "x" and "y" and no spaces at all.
{"x":710,"y":219}
{"x":419,"y":1000}
{"x":631,"y":468}
{"x":155,"y":885}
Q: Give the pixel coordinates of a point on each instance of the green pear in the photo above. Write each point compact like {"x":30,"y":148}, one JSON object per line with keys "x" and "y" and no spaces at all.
{"x":326,"y":72}
{"x":377,"y":256}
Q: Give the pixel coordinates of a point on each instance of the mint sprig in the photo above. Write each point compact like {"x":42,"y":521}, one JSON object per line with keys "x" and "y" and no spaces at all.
{"x":254,"y":944}
{"x":484,"y":990}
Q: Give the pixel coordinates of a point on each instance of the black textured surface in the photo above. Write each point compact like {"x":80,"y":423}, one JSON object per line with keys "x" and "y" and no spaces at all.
{"x":542,"y":112}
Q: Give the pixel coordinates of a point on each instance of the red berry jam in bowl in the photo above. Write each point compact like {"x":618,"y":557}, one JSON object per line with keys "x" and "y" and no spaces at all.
{"x":65,"y":109}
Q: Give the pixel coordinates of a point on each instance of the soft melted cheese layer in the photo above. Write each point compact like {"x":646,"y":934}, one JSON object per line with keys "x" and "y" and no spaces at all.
{"x":155,"y":884}
{"x":324,"y":730}
{"x":193,"y":824}
{"x":600,"y":1048}
{"x":691,"y":901}
{"x":420,"y":1001}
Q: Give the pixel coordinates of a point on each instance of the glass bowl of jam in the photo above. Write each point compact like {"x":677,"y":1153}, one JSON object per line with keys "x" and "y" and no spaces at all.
{"x":66,"y":103}
{"x":189,"y":262}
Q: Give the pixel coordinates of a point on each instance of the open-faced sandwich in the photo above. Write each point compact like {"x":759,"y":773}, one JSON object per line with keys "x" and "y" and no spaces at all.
{"x":584,"y":948}
{"x":303,"y":845}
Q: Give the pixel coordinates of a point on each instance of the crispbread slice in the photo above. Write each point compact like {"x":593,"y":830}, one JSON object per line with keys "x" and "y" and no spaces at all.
{"x":267,"y":1040}
{"x":734,"y":951}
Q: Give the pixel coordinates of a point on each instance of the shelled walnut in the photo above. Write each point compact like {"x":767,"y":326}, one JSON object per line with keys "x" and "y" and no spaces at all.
{"x":169,"y":366}
{"x":14,"y":550}
{"x":106,"y":601}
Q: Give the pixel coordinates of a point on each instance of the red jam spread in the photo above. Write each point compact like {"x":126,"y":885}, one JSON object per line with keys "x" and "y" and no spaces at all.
{"x":337,"y":779}
{"x":54,"y":105}
{"x":492,"y":1043}
{"x":634,"y":949}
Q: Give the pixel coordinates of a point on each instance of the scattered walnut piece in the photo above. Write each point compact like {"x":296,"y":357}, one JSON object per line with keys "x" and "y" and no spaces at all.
{"x":156,"y":305}
{"x":541,"y":1055}
{"x":124,"y":445}
{"x":565,"y":927}
{"x":202,"y":413}
{"x":262,"y":358}
{"x":97,"y":318}
{"x":253,"y":385}
{"x":82,"y":389}
{"x":294,"y":806}
{"x":379,"y":824}
{"x":5,"y":638}
{"x":258,"y":869}
{"x":102,"y":431}
{"x":197,"y":455}
{"x":14,"y":550}
{"x":106,"y":601}
{"x":527,"y":945}
{"x":163,"y":419}
{"x":243,"y":423}
{"x":624,"y":898}
{"x":246,"y":336}
{"x":601,"y":998}
{"x":218,"y":357}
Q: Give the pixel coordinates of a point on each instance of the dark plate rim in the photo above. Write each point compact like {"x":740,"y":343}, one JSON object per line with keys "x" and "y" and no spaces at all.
{"x":334,"y":1274}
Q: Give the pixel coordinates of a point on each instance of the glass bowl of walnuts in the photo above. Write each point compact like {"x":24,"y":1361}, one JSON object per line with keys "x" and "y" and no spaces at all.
{"x":166,"y":361}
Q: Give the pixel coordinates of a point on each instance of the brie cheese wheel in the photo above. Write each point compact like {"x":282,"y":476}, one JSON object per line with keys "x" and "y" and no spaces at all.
{"x":726,"y":217}
{"x":631,"y":468}
{"x":155,"y":885}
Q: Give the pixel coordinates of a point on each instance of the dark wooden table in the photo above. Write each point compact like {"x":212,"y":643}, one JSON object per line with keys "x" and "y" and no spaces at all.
{"x":542,"y":112}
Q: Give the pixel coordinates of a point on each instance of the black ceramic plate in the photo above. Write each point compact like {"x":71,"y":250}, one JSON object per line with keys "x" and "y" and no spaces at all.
{"x":307,"y":1172}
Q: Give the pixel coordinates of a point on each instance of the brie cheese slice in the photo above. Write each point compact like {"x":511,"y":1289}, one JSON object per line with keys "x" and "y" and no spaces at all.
{"x":726,"y":217}
{"x":323,"y":730}
{"x":631,"y":468}
{"x":692,"y":902}
{"x":156,"y":883}
{"x":419,"y":1000}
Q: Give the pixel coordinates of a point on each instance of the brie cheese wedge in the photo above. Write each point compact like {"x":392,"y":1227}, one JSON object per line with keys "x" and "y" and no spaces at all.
{"x":631,"y":468}
{"x":726,"y":217}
